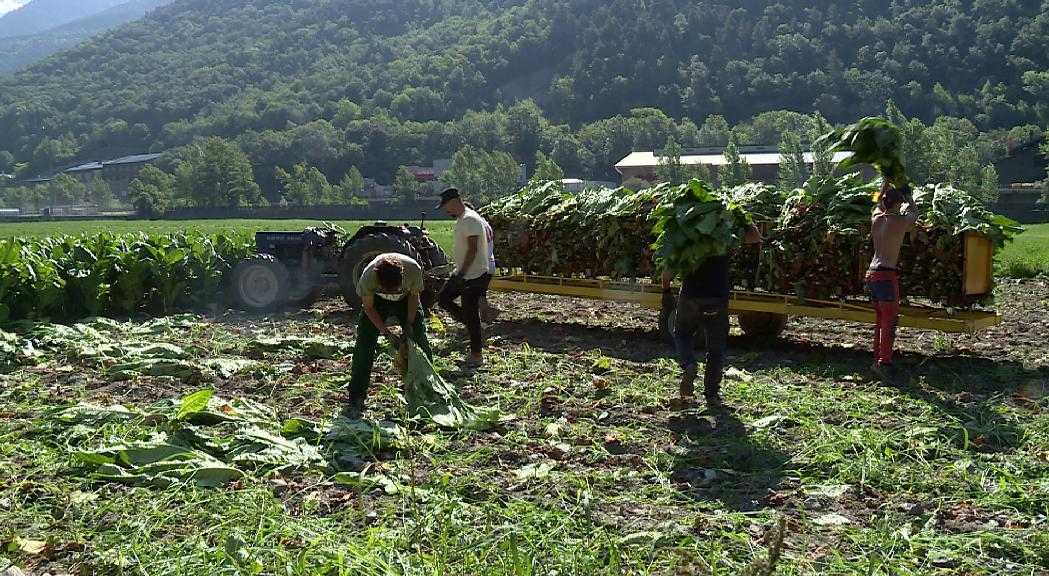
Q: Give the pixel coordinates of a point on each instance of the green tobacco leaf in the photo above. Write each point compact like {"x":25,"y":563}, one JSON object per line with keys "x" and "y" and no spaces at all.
{"x":429,"y":396}
{"x":534,"y":471}
{"x":229,"y":367}
{"x":193,"y":403}
{"x":365,"y":481}
{"x":93,"y":415}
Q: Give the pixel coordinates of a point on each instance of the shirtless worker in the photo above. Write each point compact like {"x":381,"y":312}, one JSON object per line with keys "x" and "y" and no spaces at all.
{"x":888,"y":227}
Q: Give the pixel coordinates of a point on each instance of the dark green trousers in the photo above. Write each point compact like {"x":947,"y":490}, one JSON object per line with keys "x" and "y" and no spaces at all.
{"x":368,"y":338}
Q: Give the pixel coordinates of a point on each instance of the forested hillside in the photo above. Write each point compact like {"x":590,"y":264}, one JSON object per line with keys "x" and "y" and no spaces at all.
{"x":18,"y":51}
{"x":380,"y":83}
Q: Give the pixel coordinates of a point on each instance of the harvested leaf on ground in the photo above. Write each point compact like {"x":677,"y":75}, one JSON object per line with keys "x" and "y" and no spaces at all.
{"x":430,"y":396}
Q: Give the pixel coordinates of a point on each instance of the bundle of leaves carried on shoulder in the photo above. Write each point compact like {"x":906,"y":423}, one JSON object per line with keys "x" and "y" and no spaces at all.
{"x":65,"y":278}
{"x":871,"y":140}
{"x":694,"y":223}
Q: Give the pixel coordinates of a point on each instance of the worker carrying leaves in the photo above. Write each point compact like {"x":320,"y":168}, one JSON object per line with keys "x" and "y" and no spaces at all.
{"x":697,"y":230}
{"x":888,"y":227}
{"x":878,"y":142}
{"x":702,"y":304}
{"x":389,"y":287}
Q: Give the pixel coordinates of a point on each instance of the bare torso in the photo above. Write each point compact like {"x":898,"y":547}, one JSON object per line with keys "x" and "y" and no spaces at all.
{"x":888,"y":230}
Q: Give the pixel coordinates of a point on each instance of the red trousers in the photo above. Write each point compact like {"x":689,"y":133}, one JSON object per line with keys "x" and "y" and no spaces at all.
{"x":885,"y":295}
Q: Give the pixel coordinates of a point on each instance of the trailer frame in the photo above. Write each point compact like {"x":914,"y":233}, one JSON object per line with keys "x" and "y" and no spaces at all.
{"x":649,"y":294}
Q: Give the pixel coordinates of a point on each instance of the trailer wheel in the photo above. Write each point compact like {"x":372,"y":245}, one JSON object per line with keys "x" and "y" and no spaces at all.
{"x":359,"y":253}
{"x":667,"y":318}
{"x":762,"y":325}
{"x":260,"y":282}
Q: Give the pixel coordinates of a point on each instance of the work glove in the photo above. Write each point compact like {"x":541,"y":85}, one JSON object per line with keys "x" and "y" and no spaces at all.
{"x":669,"y":301}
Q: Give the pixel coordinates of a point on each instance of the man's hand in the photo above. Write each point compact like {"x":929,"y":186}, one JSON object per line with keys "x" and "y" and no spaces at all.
{"x":409,"y":332}
{"x":668,"y":301}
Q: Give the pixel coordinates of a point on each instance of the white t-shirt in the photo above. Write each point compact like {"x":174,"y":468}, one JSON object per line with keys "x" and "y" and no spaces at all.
{"x":471,"y":224}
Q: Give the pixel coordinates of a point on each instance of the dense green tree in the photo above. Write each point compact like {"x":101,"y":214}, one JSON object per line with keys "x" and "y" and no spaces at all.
{"x":793,"y":172}
{"x":988,"y":191}
{"x":406,"y":186}
{"x":216,"y":172}
{"x":736,"y":171}
{"x":7,"y":162}
{"x":99,"y":193}
{"x":715,"y":131}
{"x":64,"y":190}
{"x":26,"y":198}
{"x":672,"y":170}
{"x":546,"y":169}
{"x":348,"y":191}
{"x":482,"y":176}
{"x":524,"y":130}
{"x":151,"y":192}
{"x":305,"y":185}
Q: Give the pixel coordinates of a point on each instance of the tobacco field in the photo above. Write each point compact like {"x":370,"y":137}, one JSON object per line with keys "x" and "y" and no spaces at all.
{"x":206,"y":443}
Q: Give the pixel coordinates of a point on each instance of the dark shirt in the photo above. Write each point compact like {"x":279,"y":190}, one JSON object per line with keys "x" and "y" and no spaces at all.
{"x":711,"y":280}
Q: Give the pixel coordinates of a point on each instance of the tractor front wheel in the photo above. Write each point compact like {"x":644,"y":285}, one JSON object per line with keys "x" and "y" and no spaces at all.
{"x":260,"y":282}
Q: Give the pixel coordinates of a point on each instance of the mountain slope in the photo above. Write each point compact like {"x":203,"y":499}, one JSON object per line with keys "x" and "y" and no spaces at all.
{"x":19,"y":51}
{"x":40,"y":15}
{"x":227,"y":67}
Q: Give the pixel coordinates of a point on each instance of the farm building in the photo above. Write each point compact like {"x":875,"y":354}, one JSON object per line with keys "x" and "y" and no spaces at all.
{"x":763,"y":160}
{"x":117,"y":173}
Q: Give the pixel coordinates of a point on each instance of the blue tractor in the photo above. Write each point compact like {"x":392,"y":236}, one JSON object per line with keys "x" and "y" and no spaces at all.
{"x":294,"y":268}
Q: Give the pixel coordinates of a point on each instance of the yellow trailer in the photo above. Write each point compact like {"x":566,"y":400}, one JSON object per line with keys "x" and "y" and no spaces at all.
{"x":760,"y":313}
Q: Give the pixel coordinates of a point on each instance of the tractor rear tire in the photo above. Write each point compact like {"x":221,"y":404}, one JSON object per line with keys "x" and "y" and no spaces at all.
{"x":358,"y":254}
{"x":260,"y":283}
{"x":434,"y":255}
{"x":762,"y":326}
{"x":667,"y":318}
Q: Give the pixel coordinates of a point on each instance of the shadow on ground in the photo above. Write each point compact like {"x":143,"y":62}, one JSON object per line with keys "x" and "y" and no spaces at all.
{"x":722,"y":462}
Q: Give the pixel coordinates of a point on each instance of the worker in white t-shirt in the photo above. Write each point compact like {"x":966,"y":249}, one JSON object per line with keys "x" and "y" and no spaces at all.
{"x":470,"y":281}
{"x":488,"y":312}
